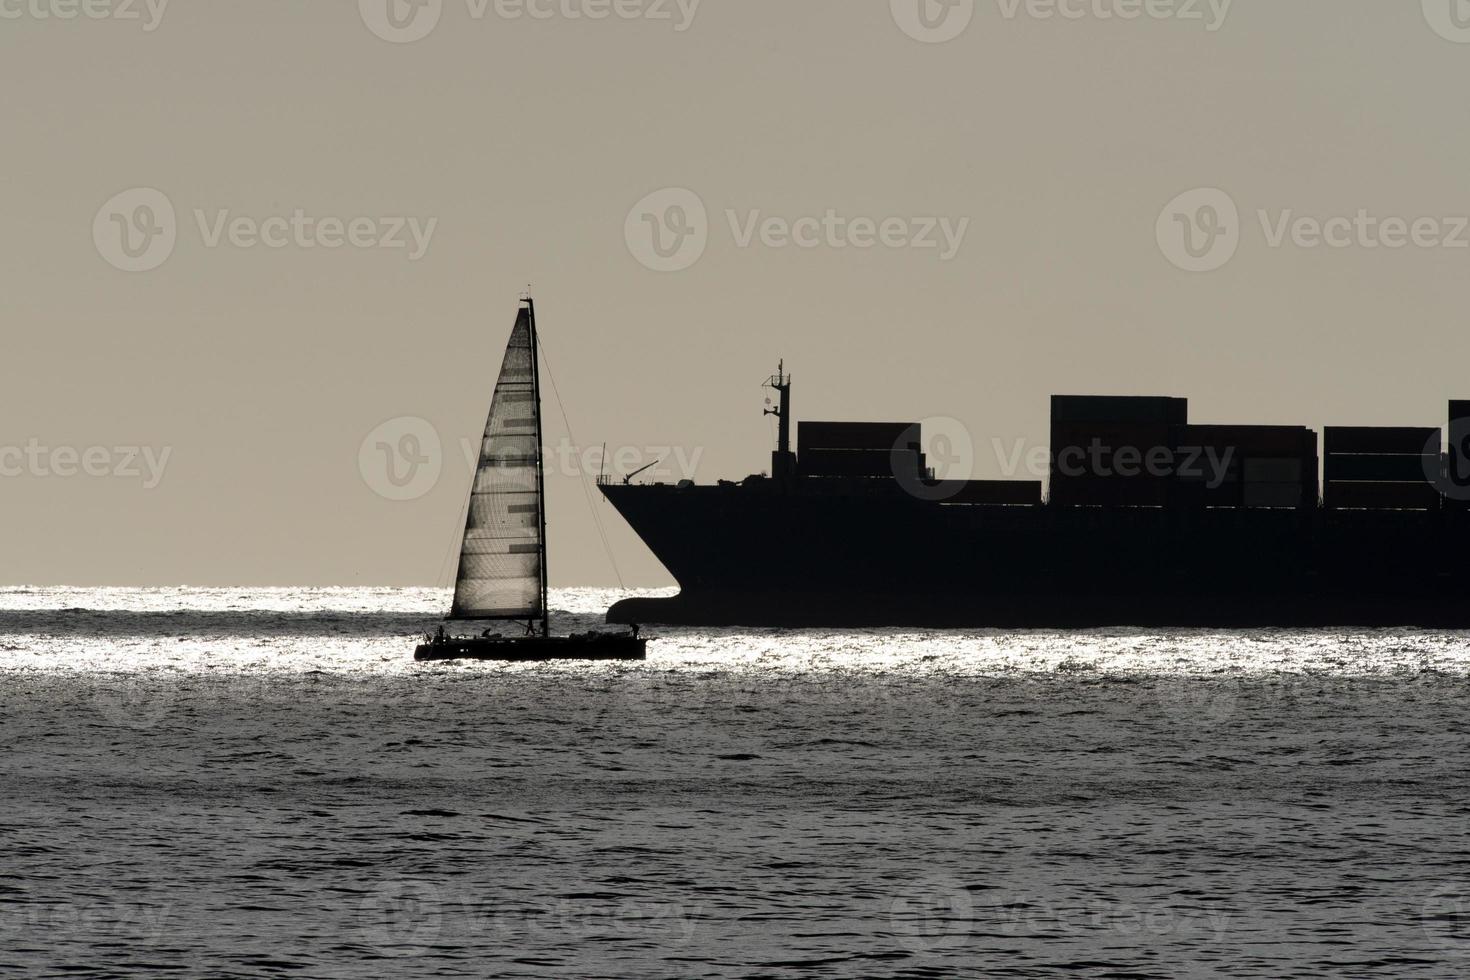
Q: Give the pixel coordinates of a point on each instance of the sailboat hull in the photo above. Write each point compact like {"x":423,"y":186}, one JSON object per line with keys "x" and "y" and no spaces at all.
{"x":536,"y":649}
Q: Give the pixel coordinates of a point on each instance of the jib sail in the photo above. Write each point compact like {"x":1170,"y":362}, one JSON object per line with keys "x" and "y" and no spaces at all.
{"x":502,"y":563}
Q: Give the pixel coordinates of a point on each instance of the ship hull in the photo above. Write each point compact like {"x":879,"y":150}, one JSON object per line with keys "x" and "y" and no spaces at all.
{"x":756,"y":555}
{"x":1060,"y":611}
{"x":534,"y":649}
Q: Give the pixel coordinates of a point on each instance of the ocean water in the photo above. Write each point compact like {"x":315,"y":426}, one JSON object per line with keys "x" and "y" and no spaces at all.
{"x":247,"y":783}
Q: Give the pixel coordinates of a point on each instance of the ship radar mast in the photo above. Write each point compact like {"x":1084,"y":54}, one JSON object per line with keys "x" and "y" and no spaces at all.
{"x":783,"y":460}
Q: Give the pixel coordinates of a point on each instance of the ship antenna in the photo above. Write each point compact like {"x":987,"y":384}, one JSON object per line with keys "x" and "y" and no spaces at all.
{"x":783,"y":461}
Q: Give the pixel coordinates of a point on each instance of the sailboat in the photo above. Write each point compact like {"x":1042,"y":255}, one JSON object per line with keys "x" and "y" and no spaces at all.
{"x":502,"y":562}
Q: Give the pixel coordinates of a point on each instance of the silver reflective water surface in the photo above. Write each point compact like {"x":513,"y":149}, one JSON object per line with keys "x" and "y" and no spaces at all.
{"x":262,"y":782}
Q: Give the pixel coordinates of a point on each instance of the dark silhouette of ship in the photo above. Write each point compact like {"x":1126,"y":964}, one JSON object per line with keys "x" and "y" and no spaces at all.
{"x":1150,"y":520}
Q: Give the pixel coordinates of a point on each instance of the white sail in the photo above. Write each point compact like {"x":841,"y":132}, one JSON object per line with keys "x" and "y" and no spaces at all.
{"x":501,"y":564}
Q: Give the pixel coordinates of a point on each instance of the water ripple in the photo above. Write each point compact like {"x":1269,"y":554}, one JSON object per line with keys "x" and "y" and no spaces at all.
{"x":246,"y":783}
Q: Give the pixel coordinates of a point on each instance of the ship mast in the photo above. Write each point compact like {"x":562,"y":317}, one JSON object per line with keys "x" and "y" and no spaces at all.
{"x":783,"y":461}
{"x":540,"y":464}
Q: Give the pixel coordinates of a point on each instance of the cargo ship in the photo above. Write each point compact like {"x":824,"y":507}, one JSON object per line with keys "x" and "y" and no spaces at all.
{"x":1148,"y":520}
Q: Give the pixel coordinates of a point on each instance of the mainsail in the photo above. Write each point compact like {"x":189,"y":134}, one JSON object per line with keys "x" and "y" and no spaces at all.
{"x":502,"y":563}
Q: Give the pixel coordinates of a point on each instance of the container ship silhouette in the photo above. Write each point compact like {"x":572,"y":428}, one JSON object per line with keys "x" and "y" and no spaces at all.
{"x":1150,"y":520}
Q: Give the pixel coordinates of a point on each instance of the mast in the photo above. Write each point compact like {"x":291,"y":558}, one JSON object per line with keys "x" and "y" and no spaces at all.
{"x":783,"y":463}
{"x":540,"y":464}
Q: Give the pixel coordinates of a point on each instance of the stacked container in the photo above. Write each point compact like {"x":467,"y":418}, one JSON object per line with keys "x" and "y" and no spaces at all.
{"x":989,"y":493}
{"x":859,"y":449}
{"x":1253,"y":466}
{"x":1382,"y":468}
{"x":1113,"y":450}
{"x":1457,"y":460}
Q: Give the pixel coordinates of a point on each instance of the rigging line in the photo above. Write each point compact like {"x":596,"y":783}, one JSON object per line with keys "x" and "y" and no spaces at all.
{"x":591,"y":505}
{"x":448,"y":575}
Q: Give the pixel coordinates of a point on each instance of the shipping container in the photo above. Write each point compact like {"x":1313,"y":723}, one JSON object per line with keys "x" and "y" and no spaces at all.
{"x":1460,"y":429}
{"x":1279,"y":470}
{"x":1080,"y":450}
{"x":1199,"y":466}
{"x":1382,"y":496}
{"x":1100,"y":491}
{"x":1119,"y":408}
{"x":1282,"y":495}
{"x":1457,"y":456}
{"x":1110,"y":435}
{"x":1392,"y":441}
{"x":1292,"y":441}
{"x":1201,"y":494}
{"x":853,"y":462}
{"x":1382,"y":468}
{"x":856,"y":435}
{"x":1008,"y":493}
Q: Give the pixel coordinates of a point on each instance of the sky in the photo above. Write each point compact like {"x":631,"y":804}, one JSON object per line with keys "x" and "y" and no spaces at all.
{"x":261,"y":259}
